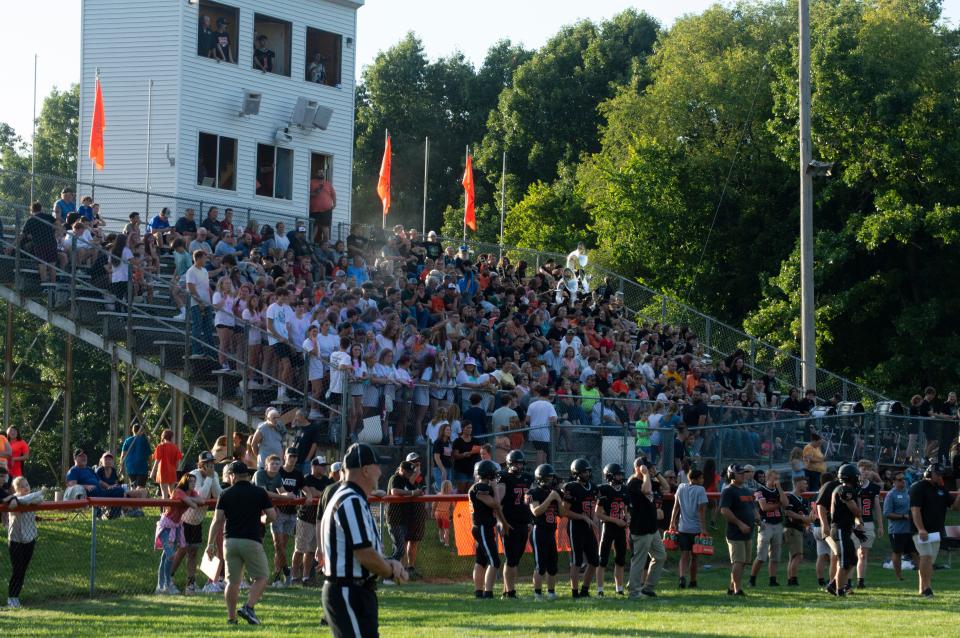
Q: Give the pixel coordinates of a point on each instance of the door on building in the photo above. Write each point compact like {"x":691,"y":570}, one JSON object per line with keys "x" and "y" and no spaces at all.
{"x":321,"y":224}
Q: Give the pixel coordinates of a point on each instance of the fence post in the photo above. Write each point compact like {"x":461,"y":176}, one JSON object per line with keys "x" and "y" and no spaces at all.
{"x":753,"y":352}
{"x":17,"y":283}
{"x":663,"y":310}
{"x":93,"y":550}
{"x":344,"y":416}
{"x":244,"y":368}
{"x":73,"y":276}
{"x":129,"y":306}
{"x":708,"y":329}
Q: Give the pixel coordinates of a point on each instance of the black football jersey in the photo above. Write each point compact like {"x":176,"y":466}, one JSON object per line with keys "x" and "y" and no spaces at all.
{"x":482,"y":513}
{"x":796,"y":505}
{"x":840,"y":514}
{"x":549,"y":517}
{"x":866,"y":498}
{"x":514,"y":505}
{"x":770,"y":495}
{"x":613,"y":500}
{"x":582,"y":498}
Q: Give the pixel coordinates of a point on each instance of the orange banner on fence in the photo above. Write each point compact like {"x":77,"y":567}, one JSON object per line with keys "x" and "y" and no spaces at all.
{"x":463,"y":532}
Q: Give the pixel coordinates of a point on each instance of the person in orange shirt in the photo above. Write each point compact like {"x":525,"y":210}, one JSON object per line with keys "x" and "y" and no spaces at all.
{"x":166,"y":459}
{"x":19,"y":451}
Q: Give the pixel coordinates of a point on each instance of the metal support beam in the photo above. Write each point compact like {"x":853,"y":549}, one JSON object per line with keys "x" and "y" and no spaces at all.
{"x":66,"y":457}
{"x":115,"y":405}
{"x":808,"y":337}
{"x":229,"y":426}
{"x":128,"y":398}
{"x":178,"y":418}
{"x":7,"y":366}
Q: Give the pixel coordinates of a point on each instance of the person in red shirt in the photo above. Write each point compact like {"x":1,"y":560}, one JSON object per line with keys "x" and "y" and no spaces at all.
{"x":19,"y":452}
{"x":323,"y":199}
{"x":166,"y":458}
{"x":169,"y":532}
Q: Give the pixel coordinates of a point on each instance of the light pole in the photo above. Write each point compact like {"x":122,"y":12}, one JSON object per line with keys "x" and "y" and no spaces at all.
{"x":807,"y":323}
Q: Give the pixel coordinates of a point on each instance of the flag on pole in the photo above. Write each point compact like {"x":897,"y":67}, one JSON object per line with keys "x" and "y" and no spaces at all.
{"x":96,"y":130}
{"x":383,"y":186}
{"x":469,"y":218}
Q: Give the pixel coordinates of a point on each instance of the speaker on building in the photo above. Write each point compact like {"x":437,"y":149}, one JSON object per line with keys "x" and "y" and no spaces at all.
{"x":251,"y":103}
{"x":304,"y":112}
{"x":322,"y":119}
{"x":282,"y":136}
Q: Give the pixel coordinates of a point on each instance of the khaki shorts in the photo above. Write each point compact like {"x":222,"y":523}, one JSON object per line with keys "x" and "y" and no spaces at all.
{"x":244,"y":554}
{"x":793,"y":539}
{"x":926,"y":549}
{"x":769,"y":542}
{"x":823,"y":549}
{"x":306,"y":540}
{"x":871,"y":532}
{"x":739,"y":551}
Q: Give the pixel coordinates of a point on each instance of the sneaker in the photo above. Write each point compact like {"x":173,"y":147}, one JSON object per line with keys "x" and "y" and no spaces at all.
{"x":160,"y":591}
{"x":210,"y":588}
{"x":278,"y":584}
{"x":683,"y":583}
{"x":927,"y":593}
{"x":730,"y":592}
{"x":172,"y":590}
{"x":793,"y":582}
{"x":538,"y":597}
{"x":389,"y":582}
{"x":191,"y":589}
{"x":741,"y":593}
{"x":181,"y":316}
{"x":225,"y":367}
{"x":753,"y":581}
{"x":774,"y":583}
{"x":232,"y":621}
{"x":248,"y":614}
{"x":692,"y":585}
{"x":551,"y":595}
{"x":831,"y":588}
{"x":600,"y":593}
{"x":621,"y":592}
{"x":14,"y":603}
{"x":281,"y":393}
{"x":649,"y":593}
{"x":861,"y":584}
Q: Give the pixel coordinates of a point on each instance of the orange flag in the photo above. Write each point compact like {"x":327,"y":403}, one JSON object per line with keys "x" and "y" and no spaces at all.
{"x":383,"y":186}
{"x":96,"y":130}
{"x":469,"y":218}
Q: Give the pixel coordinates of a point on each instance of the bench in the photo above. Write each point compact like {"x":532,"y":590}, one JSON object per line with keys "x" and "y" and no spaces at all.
{"x":951,"y":542}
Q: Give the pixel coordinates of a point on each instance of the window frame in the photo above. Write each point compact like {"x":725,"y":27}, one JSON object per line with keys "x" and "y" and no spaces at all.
{"x":273,"y":189}
{"x":216,"y":161}
{"x":308,"y":58}
{"x":286,"y":55}
{"x":220,"y":8}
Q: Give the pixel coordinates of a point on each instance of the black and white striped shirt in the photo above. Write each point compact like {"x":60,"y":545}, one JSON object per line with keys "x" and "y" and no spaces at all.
{"x":347,"y":525}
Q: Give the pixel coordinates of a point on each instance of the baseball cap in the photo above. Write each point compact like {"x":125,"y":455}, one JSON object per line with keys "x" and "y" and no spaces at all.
{"x":413,"y":457}
{"x":78,"y":452}
{"x":736,"y":468}
{"x":301,"y":228}
{"x":205,"y":457}
{"x":470,"y":361}
{"x":407,"y":466}
{"x":360,"y":455}
{"x":749,"y":468}
{"x":336,"y":466}
{"x":238,"y":468}
{"x":452,"y":286}
{"x":319,"y":460}
{"x":292,"y":451}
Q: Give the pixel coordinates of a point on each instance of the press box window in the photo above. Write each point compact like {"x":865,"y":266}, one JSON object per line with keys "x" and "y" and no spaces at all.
{"x":274,"y":172}
{"x":217,"y":162}
{"x":271,"y":45}
{"x":217,"y":32}
{"x":324,"y":51}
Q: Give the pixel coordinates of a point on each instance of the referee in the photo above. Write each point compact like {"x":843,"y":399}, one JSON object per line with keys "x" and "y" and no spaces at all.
{"x":353,"y":551}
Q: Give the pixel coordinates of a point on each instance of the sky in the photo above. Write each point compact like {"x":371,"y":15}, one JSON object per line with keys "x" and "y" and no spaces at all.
{"x":381,"y":23}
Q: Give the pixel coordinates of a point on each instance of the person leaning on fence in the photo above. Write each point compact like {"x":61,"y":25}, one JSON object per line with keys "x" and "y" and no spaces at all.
{"x":21,"y":533}
{"x":241,"y":512}
{"x":207,"y":487}
{"x":169,"y":532}
{"x":166,"y":458}
{"x":305,"y":542}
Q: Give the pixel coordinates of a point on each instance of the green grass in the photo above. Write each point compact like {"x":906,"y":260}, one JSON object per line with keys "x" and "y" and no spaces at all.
{"x":57,"y":586}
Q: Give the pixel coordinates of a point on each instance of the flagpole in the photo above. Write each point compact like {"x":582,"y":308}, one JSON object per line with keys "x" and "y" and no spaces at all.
{"x":33,"y":134}
{"x":503,"y":199}
{"x":146,"y":211}
{"x":426,"y":164}
{"x":466,"y":157}
{"x":386,"y":136}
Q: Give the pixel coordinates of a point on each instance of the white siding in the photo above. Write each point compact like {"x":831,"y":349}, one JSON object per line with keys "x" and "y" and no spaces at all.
{"x":193,"y":94}
{"x":116,"y":40}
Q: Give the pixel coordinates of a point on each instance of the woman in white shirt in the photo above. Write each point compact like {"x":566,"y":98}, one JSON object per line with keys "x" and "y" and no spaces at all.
{"x":311,"y":347}
{"x":224,"y":300}
{"x":120,"y":258}
{"x":253,"y":316}
{"x":280,"y":241}
{"x":358,"y":380}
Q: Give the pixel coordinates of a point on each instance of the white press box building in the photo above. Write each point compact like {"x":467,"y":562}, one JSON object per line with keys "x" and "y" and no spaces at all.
{"x":195,"y":108}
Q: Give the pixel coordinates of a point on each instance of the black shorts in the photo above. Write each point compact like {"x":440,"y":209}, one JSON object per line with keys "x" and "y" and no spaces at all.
{"x":515,"y":543}
{"x":616,"y":537}
{"x":848,"y":551}
{"x":138,"y":480}
{"x":416,"y":525}
{"x":192,"y":534}
{"x":583,"y":544}
{"x":282,"y":350}
{"x":486,"y":549}
{"x":323,"y":218}
{"x":931,"y":430}
{"x":686,"y":541}
{"x":902,"y":543}
{"x":544,"y":541}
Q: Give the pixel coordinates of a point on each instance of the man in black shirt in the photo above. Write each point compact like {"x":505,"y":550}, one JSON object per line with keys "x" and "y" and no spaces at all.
{"x":466,"y":454}
{"x":485,"y":512}
{"x":544,"y":503}
{"x":644,"y":532}
{"x":771,"y":501}
{"x":398,"y":514}
{"x":738,"y":509}
{"x":243,"y":509}
{"x":579,"y":500}
{"x":513,"y":492}
{"x":797,"y":516}
{"x":822,"y":509}
{"x":205,"y":37}
{"x":845,"y":521}
{"x":262,"y":56}
{"x":612,"y":511}
{"x":929,"y":500}
{"x":305,"y":543}
{"x":222,"y":49}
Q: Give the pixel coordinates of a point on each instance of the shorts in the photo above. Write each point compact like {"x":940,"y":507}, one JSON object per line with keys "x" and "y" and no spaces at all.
{"x":416,"y":525}
{"x":686,"y":541}
{"x":486,"y":546}
{"x":926,"y":549}
{"x":442,"y":522}
{"x":544,"y":542}
{"x":193,"y":534}
{"x":515,"y":543}
{"x":793,"y":540}
{"x":220,"y":325}
{"x":306,"y":540}
{"x":282,"y":350}
{"x":769,"y":542}
{"x":902,"y":543}
{"x":845,"y":549}
{"x":614,"y":537}
{"x":285,"y":524}
{"x":583,"y":544}
{"x":739,"y":551}
{"x":870,"y":530}
{"x":323,"y":217}
{"x":243,"y":554}
{"x":823,"y":547}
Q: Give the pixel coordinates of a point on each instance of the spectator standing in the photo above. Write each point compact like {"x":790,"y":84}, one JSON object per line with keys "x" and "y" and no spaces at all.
{"x":814,"y":463}
{"x":206,"y":483}
{"x":21,"y":534}
{"x":66,"y":204}
{"x":135,"y":456}
{"x":205,"y":38}
{"x":166,"y":459}
{"x":201,"y":310}
{"x":929,"y":500}
{"x":398,"y":514}
{"x":239,"y":513}
{"x":222,"y":49}
{"x":541,"y":418}
{"x":19,"y":451}
{"x":38,"y":238}
{"x":6,"y":451}
{"x":305,"y":543}
{"x":644,"y":531}
{"x":262,"y":56}
{"x":169,"y":534}
{"x":738,"y":509}
{"x":268,"y":439}
{"x":286,"y":524}
{"x":323,"y":199}
{"x":317,"y":70}
{"x":466,"y":454}
{"x":270,"y":480}
{"x":896,"y":509}
{"x":689,"y":519}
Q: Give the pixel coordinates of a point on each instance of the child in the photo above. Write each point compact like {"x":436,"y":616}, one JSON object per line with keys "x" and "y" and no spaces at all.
{"x":22,"y":536}
{"x":443,"y":514}
{"x":169,"y":531}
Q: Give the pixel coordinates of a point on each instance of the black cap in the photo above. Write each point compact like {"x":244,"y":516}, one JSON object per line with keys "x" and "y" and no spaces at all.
{"x":238,"y":468}
{"x":358,"y":455}
{"x":407,"y":466}
{"x":933,"y":468}
{"x":78,"y":452}
{"x":205,"y":457}
{"x":735,"y":468}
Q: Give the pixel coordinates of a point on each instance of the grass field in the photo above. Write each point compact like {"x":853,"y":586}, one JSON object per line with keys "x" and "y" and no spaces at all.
{"x":56,"y":604}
